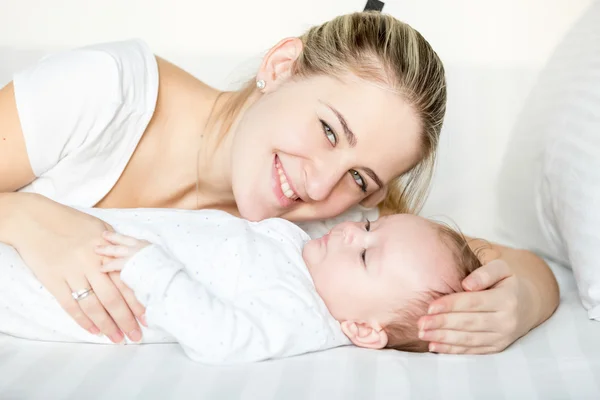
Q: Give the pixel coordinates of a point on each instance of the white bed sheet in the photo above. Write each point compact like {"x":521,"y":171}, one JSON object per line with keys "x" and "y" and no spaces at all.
{"x":559,"y":360}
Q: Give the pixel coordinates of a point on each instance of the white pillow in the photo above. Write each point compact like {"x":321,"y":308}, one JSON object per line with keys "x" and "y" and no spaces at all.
{"x":550,"y":184}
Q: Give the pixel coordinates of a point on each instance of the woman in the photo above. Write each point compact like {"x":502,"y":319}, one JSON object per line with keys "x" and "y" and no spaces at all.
{"x":349,"y":113}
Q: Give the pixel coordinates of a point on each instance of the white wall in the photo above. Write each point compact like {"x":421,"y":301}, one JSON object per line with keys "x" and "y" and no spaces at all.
{"x":485,"y":32}
{"x":463,"y":31}
{"x":232,"y":34}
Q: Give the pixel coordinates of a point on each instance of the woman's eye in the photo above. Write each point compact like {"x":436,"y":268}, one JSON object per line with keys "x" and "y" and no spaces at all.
{"x":363,"y":256}
{"x":329,"y":134}
{"x":362,"y":184}
{"x":368,"y":226}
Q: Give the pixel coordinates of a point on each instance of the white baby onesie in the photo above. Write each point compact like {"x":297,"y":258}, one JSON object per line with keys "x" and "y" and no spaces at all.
{"x":228,"y":290}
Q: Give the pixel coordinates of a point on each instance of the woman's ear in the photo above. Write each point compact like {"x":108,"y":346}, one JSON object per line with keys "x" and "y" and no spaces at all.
{"x":369,"y":335}
{"x":277,"y":64}
{"x":374,"y":198}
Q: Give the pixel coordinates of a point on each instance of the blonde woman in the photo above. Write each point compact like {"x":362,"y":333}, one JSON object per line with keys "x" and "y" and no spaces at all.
{"x":349,"y":113}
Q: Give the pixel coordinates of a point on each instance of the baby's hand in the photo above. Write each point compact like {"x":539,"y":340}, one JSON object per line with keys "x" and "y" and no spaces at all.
{"x":120,"y":250}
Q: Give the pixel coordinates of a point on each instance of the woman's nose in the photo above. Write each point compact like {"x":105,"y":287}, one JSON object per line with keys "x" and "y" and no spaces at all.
{"x":321,"y":180}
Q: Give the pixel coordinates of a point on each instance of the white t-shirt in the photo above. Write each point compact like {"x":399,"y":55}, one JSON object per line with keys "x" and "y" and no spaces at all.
{"x":228,"y":290}
{"x":83,"y":112}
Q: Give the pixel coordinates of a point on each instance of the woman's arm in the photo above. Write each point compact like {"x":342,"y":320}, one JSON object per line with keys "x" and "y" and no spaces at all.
{"x":15,"y":169}
{"x":49,"y":111}
{"x":57,"y":243}
{"x":7,"y":216}
{"x":532,"y":271}
{"x":52,"y":239}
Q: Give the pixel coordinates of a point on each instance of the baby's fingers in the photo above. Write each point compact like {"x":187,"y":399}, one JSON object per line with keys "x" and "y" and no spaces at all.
{"x":114,"y":251}
{"x":118,"y":239}
{"x":113,"y":266}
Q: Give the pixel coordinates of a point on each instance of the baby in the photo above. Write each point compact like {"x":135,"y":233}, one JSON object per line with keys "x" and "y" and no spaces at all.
{"x":229,"y":290}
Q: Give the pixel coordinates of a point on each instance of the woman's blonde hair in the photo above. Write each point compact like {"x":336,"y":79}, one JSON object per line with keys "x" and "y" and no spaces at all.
{"x":381,"y":49}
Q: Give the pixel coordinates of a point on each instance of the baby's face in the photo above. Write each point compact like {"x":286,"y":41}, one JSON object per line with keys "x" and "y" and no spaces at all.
{"x":363,"y":273}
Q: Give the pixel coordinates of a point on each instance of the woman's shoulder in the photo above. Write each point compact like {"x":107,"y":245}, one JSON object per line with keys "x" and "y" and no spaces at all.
{"x":110,"y":68}
{"x":85,"y":108}
{"x":131,"y":65}
{"x":86,"y":82}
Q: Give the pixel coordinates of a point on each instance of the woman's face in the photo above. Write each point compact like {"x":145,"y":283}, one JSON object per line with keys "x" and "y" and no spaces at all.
{"x":310,"y":149}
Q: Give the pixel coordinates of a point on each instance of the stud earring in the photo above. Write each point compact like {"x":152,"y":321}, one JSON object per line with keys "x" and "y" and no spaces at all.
{"x":261,"y":84}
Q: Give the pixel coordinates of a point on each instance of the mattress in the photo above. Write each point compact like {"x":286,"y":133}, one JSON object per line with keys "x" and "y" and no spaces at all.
{"x":559,"y":360}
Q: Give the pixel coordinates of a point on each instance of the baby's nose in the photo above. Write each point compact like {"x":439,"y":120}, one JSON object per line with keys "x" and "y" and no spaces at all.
{"x":351,"y":234}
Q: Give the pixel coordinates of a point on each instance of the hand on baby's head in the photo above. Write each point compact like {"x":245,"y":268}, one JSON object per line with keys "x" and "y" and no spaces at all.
{"x":377,"y":279}
{"x":403,"y":330}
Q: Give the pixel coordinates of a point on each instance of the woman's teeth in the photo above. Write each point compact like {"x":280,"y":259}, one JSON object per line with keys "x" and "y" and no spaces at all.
{"x":285,"y":187}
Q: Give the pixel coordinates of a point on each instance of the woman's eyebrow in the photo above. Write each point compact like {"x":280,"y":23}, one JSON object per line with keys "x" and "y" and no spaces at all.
{"x":374,"y":176}
{"x":350,"y":136}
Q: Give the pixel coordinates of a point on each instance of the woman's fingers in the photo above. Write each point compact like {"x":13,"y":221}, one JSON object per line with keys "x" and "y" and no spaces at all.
{"x":92,"y":308}
{"x":471,"y":322}
{"x":62,"y":292}
{"x":134,"y":305}
{"x":114,"y":265}
{"x":460,"y":338}
{"x":116,"y":306}
{"x":59,"y":251}
{"x":110,"y":267}
{"x":486,"y":301}
{"x":453,"y":349}
{"x":487,"y":276}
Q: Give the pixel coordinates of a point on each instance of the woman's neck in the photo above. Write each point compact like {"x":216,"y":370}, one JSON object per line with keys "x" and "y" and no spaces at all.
{"x":214,"y":156}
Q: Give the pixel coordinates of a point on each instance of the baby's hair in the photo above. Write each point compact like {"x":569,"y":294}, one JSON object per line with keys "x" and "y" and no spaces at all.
{"x":403,"y":331}
{"x":467,"y":260}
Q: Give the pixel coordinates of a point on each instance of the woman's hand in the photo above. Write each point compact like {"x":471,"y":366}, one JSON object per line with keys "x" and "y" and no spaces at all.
{"x":57,"y":243}
{"x":497,"y":308}
{"x":120,"y":250}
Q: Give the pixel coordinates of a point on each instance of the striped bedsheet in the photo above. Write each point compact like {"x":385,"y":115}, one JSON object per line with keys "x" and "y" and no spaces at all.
{"x":559,"y":360}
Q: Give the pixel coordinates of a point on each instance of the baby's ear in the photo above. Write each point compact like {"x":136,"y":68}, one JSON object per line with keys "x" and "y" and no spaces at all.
{"x":369,"y":335}
{"x":374,"y":198}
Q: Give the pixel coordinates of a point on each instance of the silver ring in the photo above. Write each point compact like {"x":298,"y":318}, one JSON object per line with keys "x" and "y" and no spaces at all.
{"x":82,"y":294}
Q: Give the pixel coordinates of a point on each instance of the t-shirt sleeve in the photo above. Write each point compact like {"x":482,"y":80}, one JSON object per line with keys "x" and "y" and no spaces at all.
{"x":70,"y":97}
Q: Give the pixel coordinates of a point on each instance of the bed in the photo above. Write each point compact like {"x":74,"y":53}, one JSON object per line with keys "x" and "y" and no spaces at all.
{"x":559,"y":360}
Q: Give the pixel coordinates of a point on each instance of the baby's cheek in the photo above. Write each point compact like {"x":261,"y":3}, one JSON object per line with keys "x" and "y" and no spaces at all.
{"x":326,"y":288}
{"x":313,"y":255}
